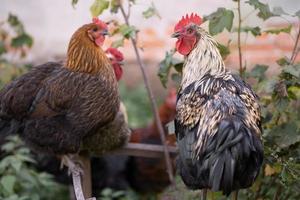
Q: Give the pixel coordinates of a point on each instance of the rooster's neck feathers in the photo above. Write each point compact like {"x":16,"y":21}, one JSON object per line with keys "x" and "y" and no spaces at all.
{"x":84,"y":56}
{"x":204,"y":59}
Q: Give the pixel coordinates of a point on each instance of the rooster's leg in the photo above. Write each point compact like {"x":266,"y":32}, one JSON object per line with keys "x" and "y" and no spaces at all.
{"x":74,"y":165}
{"x":75,"y":168}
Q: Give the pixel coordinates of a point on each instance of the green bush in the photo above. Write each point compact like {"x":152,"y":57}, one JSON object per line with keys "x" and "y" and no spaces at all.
{"x":20,"y":180}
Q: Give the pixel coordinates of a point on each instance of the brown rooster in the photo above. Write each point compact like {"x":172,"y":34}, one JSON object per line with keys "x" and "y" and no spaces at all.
{"x":54,"y":107}
{"x":217,"y":124}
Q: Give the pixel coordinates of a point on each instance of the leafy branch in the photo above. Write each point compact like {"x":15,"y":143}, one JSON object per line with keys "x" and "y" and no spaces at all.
{"x":241,"y":69}
{"x":295,"y":49}
{"x":151,"y":97}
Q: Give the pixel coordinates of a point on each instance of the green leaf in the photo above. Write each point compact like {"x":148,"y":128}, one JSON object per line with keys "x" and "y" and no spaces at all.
{"x":17,"y":164}
{"x":259,"y":71}
{"x":264,"y":9}
{"x":267,"y":85}
{"x":2,"y":48}
{"x":283,"y":61}
{"x":163,"y":72}
{"x":15,"y":23}
{"x":165,"y":67}
{"x":281,"y":30}
{"x":74,"y":2}
{"x":224,"y":50}
{"x":178,"y":65}
{"x":128,"y":31}
{"x":279,"y":11}
{"x":98,"y":7}
{"x":292,"y":70}
{"x":295,"y":90}
{"x":118,"y":194}
{"x":8,"y":147}
{"x":286,"y":134}
{"x":107,"y":192}
{"x":118,"y":43}
{"x":114,"y":5}
{"x":219,"y":20}
{"x":23,"y":39}
{"x":13,"y":20}
{"x":151,"y":11}
{"x":25,"y":158}
{"x":176,"y":78}
{"x":255,"y":31}
{"x":8,"y":182}
{"x":297,"y":13}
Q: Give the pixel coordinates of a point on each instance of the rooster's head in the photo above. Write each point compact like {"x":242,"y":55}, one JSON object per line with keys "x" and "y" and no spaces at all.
{"x":186,"y":32}
{"x":96,"y":31}
{"x":116,"y":58}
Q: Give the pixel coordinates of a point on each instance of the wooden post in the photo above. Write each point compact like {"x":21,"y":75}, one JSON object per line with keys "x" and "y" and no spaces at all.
{"x":235,"y":195}
{"x":204,"y":194}
{"x":86,"y":178}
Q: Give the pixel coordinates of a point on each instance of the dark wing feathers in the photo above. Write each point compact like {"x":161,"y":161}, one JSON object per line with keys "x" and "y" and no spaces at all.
{"x":16,"y":98}
{"x":219,"y":119}
{"x":55,"y":108}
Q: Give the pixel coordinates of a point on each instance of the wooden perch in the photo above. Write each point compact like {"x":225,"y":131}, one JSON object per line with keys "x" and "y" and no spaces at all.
{"x":145,"y":150}
{"x":83,"y":185}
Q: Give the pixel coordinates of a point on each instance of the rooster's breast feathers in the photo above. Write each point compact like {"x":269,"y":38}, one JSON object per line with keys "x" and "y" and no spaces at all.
{"x":205,"y":103}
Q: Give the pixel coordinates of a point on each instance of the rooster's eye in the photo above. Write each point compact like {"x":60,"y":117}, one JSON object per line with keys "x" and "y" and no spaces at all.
{"x":95,"y":29}
{"x":190,"y":30}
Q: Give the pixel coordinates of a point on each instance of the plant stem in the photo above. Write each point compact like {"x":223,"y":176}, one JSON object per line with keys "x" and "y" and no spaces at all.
{"x":277,"y":193}
{"x":241,"y":70}
{"x":295,"y":50}
{"x":152,"y":100}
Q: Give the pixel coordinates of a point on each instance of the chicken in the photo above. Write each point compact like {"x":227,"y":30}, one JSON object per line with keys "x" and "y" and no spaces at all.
{"x":218,"y":122}
{"x":116,"y":59}
{"x":54,"y":107}
{"x":117,"y":132}
{"x":148,"y":175}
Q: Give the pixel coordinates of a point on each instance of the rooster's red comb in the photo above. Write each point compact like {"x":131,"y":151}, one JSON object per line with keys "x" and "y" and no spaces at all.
{"x":100,"y":23}
{"x":116,"y":53}
{"x":194,"y":18}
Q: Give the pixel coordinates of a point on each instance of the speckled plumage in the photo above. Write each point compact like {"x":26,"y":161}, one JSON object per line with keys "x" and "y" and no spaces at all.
{"x":217,"y":123}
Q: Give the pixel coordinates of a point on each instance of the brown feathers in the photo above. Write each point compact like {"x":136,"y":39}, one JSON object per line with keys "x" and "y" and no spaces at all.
{"x":85,"y":56}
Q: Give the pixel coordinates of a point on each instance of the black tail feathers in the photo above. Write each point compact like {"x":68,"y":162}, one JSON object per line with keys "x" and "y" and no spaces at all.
{"x":231,"y":160}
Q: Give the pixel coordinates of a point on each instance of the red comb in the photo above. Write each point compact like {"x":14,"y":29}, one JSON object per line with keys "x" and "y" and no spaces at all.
{"x":100,"y":23}
{"x":194,"y":18}
{"x":116,"y":53}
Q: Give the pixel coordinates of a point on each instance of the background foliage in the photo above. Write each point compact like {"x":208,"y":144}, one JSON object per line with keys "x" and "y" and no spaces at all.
{"x":279,"y":93}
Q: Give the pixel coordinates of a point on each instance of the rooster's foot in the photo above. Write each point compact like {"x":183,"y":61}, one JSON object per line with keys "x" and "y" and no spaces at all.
{"x":73,"y":164}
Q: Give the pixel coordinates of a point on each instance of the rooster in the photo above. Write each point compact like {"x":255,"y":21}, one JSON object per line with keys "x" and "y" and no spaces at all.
{"x":218,"y":123}
{"x":54,"y":107}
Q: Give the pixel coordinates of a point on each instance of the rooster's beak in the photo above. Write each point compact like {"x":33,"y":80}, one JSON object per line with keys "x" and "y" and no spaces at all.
{"x":104,"y":32}
{"x":175,"y":35}
{"x":121,"y":62}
